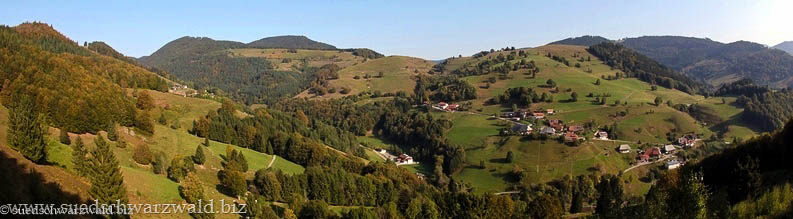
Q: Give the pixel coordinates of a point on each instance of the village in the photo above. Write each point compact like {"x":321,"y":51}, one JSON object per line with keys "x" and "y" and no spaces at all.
{"x":523,"y":124}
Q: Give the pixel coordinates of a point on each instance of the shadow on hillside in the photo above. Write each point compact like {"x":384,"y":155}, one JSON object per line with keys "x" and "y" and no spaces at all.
{"x":498,"y":160}
{"x":24,"y":186}
{"x":723,"y":127}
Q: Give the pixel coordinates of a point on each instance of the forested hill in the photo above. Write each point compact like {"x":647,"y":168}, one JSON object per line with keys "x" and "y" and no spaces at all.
{"x":258,"y":72}
{"x":75,"y":88}
{"x":637,"y":65}
{"x":786,"y":46}
{"x":586,"y":40}
{"x":104,"y":49}
{"x":717,"y":63}
{"x":290,"y":42}
{"x":186,"y":46}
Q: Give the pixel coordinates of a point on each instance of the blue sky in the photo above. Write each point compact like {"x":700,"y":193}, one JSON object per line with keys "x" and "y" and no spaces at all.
{"x":426,"y":29}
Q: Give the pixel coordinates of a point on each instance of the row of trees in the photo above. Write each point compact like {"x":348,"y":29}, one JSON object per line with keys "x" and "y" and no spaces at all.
{"x":521,"y":96}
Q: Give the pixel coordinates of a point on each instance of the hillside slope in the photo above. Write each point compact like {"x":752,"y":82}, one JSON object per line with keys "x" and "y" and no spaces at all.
{"x":605,"y":98}
{"x":79,"y":89}
{"x":398,"y":74}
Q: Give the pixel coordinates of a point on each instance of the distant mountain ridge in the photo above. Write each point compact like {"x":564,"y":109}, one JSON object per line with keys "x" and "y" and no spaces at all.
{"x":786,"y":46}
{"x":717,"y":63}
{"x":709,"y":61}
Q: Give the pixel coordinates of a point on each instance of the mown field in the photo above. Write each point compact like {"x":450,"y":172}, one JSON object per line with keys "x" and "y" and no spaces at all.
{"x":398,"y":75}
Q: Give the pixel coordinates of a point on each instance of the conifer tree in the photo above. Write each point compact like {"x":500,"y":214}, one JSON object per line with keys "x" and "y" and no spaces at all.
{"x":64,"y":137}
{"x":199,"y":157}
{"x":112,"y":133}
{"x":158,"y":164}
{"x":107,"y":183}
{"x":242,"y":161}
{"x":162,"y":119}
{"x":206,"y":142}
{"x":78,"y":157}
{"x":25,"y":132}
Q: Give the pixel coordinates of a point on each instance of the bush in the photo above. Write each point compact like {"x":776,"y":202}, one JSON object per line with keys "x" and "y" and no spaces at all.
{"x":143,"y":155}
{"x":234,"y":181}
{"x":345,"y":90}
{"x":158,"y":164}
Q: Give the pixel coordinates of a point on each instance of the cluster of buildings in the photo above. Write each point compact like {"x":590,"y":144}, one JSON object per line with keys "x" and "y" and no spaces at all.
{"x":570,"y":133}
{"x":447,"y":106}
{"x":402,"y":159}
{"x":182,"y":90}
{"x":687,"y":140}
{"x":517,"y":116}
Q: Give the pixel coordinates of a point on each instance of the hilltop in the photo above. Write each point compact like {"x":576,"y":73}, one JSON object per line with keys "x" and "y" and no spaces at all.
{"x":258,"y":72}
{"x":289,"y":42}
{"x":786,"y":46}
{"x":582,"y":41}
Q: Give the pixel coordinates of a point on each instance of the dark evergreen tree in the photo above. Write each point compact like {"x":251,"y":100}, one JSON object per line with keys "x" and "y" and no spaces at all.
{"x":107,"y":183}
{"x":25,"y":131}
{"x":510,"y":157}
{"x":64,"y":137}
{"x":79,"y":158}
{"x":577,"y":204}
{"x":199,"y":157}
{"x":610,"y":197}
{"x":162,"y":120}
{"x":112,"y":133}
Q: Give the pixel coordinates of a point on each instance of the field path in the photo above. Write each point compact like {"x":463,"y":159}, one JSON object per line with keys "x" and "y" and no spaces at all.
{"x":271,"y":162}
{"x":645,"y":163}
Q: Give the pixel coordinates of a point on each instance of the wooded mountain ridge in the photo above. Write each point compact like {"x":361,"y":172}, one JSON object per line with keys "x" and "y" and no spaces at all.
{"x":709,"y":61}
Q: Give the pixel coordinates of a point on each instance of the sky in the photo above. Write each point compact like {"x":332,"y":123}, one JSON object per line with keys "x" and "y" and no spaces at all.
{"x":427,"y":29}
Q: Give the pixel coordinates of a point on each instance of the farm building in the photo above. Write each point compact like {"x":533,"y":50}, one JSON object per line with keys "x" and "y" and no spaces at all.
{"x":673,"y":164}
{"x":547,"y":130}
{"x":624,"y":148}
{"x":521,"y":129}
{"x":650,"y":153}
{"x":668,"y":149}
{"x":602,"y":135}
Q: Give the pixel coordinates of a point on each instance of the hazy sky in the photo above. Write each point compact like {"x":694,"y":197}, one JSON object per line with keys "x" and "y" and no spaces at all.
{"x":426,"y":29}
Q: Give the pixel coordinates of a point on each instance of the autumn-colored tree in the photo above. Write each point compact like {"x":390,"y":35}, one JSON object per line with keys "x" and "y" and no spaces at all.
{"x":302,"y":117}
{"x":192,"y":191}
{"x":144,"y":101}
{"x":143,"y":155}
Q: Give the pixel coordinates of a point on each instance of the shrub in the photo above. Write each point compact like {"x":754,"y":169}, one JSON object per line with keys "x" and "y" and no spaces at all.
{"x":143,"y":155}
